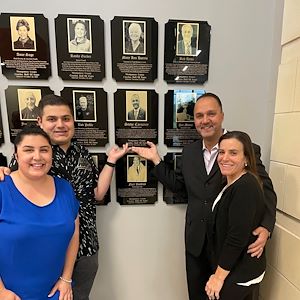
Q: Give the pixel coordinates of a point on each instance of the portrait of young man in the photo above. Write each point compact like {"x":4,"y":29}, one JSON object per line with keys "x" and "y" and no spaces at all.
{"x":136,"y":106}
{"x":187,"y":39}
{"x":84,"y":103}
{"x":28,"y":104}
{"x":79,"y":35}
{"x":22,"y":33}
{"x":134,"y":37}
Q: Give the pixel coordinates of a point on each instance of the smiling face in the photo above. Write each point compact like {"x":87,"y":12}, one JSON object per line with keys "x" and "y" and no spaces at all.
{"x":23,"y":32}
{"x":34,"y":156}
{"x":208,"y":118}
{"x":187,"y":32}
{"x":58,"y":122}
{"x":80,"y":31}
{"x":135,"y":100}
{"x":231,"y":158}
{"x":30,"y":100}
{"x":83,"y":103}
{"x":135,"y":31}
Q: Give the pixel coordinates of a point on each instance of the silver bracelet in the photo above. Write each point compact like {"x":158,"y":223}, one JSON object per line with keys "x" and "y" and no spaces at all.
{"x":65,"y":280}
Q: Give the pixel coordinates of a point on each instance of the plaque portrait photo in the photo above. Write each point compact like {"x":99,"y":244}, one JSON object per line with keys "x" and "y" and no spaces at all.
{"x":136,"y":106}
{"x":22,"y":33}
{"x":187,"y":39}
{"x":79,"y":35}
{"x":134,"y":37}
{"x":185,"y":103}
{"x":136,"y":169}
{"x":28,"y":100}
{"x":84,"y":104}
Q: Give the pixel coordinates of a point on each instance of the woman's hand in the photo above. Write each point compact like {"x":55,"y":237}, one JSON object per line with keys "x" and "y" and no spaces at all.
{"x":115,"y":153}
{"x":8,"y":295}
{"x":213,"y":287}
{"x":64,"y":288}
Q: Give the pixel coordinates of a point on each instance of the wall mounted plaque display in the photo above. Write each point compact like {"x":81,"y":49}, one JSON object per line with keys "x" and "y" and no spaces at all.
{"x":22,"y":106}
{"x":136,"y":117}
{"x":80,"y":47}
{"x":99,"y":160}
{"x":186,"y":51}
{"x":179,"y":117}
{"x":134,"y":49}
{"x":134,"y":183}
{"x":1,"y":129}
{"x":90,"y":115}
{"x":173,"y":160}
{"x":24,"y":46}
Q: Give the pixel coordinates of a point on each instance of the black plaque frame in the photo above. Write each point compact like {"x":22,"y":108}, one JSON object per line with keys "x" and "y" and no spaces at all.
{"x":136,"y":132}
{"x":99,"y":160}
{"x":132,"y":191}
{"x":91,"y":130}
{"x":139,"y":65}
{"x":84,"y":61}
{"x":30,"y":60}
{"x":15,"y":103}
{"x":173,"y":160}
{"x":179,"y":128}
{"x":180,"y":66}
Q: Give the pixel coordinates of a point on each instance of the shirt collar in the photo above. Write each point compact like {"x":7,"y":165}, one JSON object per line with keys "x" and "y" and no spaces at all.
{"x":216,"y":146}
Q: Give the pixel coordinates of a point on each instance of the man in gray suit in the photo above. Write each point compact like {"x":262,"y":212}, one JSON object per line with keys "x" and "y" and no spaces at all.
{"x":186,"y":46}
{"x":137,"y":113}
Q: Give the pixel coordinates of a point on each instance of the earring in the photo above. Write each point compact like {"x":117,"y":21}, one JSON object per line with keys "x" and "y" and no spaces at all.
{"x":246,"y":164}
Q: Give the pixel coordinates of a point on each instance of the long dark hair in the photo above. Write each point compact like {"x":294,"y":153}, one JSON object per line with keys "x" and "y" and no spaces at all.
{"x":245,"y":140}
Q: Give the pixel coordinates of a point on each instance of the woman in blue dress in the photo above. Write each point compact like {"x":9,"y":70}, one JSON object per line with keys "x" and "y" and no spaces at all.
{"x":38,"y":225}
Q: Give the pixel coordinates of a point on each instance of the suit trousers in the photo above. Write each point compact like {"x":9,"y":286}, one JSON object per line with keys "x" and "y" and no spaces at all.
{"x":84,"y":273}
{"x":198,"y":271}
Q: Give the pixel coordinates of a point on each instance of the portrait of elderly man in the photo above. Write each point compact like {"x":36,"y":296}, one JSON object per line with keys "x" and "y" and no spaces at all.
{"x":137,"y":172}
{"x":24,"y":42}
{"x":80,"y":43}
{"x":134,"y":44}
{"x":30,"y":112}
{"x":137,"y":113}
{"x":85,"y":109}
{"x":187,"y":39}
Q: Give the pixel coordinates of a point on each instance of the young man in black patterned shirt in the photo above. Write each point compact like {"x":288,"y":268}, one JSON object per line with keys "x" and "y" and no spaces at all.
{"x":74,"y":163}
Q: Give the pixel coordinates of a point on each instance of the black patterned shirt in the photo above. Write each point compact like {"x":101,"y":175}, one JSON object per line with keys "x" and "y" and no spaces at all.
{"x":77,"y":166}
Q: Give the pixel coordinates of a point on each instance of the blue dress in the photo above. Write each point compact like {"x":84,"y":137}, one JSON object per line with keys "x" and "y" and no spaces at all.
{"x":34,"y":239}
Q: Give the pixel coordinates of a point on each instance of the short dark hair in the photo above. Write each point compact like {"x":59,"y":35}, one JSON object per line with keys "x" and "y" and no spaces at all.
{"x":213,"y":96}
{"x":22,"y":22}
{"x":245,"y":140}
{"x":53,"y":100}
{"x":30,"y":130}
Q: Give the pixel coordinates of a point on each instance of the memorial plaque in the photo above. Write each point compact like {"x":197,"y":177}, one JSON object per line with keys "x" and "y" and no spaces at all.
{"x":136,"y":117}
{"x":1,"y":129}
{"x":186,"y":51}
{"x":179,"y":117}
{"x":90,"y":115}
{"x":134,"y":49}
{"x":99,"y":160}
{"x":80,"y":47}
{"x":173,"y":160}
{"x":22,"y":106}
{"x":135,"y":185}
{"x":24,"y":46}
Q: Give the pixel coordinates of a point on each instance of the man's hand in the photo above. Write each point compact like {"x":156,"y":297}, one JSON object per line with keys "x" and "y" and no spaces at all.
{"x":4,"y":171}
{"x":256,"y":249}
{"x":150,"y":153}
